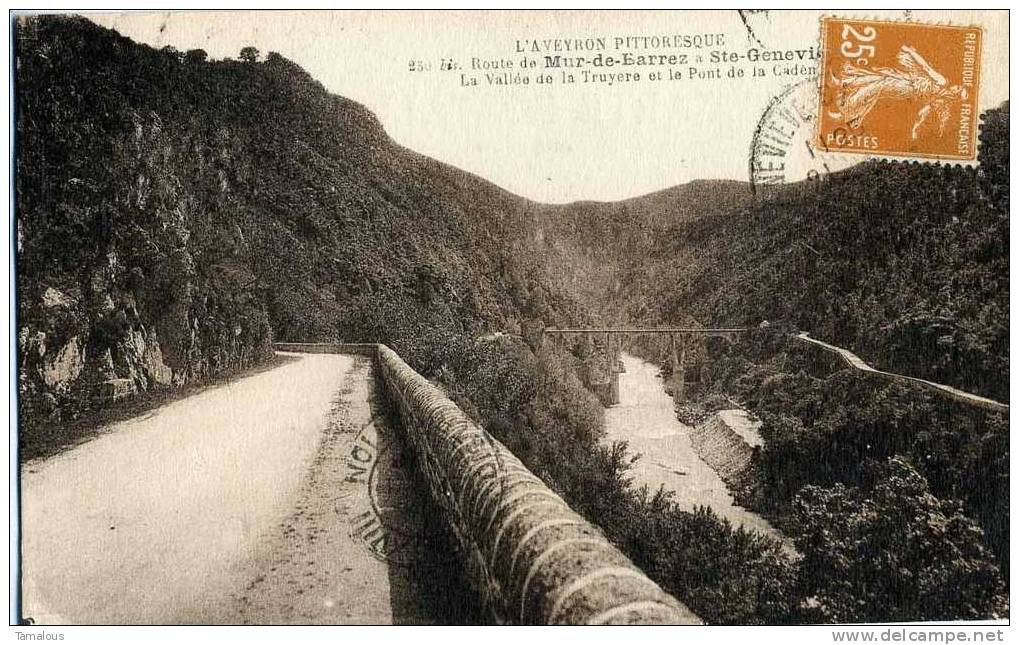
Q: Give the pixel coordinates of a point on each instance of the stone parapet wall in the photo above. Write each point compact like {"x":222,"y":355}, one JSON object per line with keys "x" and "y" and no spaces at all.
{"x":531,"y":557}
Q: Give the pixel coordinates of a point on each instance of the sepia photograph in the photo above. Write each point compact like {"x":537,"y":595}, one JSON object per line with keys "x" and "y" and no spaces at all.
{"x":522,"y":317}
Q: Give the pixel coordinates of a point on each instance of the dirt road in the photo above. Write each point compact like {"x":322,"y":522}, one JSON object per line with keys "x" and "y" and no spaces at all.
{"x":249,"y":502}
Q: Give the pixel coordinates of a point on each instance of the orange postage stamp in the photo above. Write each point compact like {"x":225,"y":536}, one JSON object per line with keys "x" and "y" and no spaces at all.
{"x":899,"y":89}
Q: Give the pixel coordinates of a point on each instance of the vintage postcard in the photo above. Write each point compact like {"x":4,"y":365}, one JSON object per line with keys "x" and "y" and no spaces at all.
{"x":512,"y":318}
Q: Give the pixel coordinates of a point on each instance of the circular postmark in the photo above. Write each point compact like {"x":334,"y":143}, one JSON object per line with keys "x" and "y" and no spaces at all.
{"x":388,"y":500}
{"x":782,"y":148}
{"x":386,"y":514}
{"x":395,"y":500}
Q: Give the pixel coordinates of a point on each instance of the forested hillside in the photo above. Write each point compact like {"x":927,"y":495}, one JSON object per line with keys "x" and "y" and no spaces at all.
{"x":176,"y":215}
{"x":906,"y":265}
{"x":602,"y":249}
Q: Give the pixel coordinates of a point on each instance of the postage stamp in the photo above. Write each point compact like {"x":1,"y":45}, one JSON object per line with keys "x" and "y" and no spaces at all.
{"x":899,"y":89}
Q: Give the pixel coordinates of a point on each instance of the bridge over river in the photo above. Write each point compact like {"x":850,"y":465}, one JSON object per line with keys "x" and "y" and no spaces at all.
{"x":339,"y":487}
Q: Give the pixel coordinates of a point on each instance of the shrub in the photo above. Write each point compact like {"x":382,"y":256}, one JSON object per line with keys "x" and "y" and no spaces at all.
{"x":894,"y":552}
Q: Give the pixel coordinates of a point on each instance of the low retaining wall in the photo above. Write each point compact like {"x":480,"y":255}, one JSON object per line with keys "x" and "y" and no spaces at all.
{"x":723,"y":449}
{"x":361,"y":349}
{"x":533,"y":560}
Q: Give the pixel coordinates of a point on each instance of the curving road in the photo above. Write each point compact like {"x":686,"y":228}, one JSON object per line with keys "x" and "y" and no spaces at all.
{"x":860,"y":365}
{"x":243,"y":503}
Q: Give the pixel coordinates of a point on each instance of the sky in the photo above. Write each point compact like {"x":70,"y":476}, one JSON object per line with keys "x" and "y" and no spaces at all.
{"x":555,"y":142}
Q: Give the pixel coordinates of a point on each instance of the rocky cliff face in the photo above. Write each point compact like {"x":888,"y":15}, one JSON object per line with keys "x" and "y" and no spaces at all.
{"x":130,"y":274}
{"x":92,"y":341}
{"x":145,"y":306}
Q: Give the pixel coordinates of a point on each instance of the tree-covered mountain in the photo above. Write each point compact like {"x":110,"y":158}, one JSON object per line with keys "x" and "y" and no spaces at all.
{"x":907,"y":265}
{"x":172,"y":211}
{"x":175,"y":215}
{"x":904,"y":263}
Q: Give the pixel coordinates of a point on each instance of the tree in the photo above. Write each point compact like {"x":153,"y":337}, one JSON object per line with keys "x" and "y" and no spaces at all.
{"x":171,"y":51}
{"x":894,"y":552}
{"x":194,"y":56}
{"x":249,"y":54}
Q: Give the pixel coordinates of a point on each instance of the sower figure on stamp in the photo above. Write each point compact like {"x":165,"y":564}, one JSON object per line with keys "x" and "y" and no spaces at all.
{"x":915,"y":80}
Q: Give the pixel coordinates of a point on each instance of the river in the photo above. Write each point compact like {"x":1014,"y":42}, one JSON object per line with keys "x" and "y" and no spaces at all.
{"x":646,"y":419}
